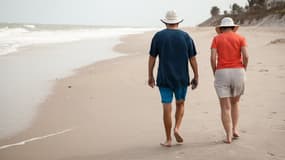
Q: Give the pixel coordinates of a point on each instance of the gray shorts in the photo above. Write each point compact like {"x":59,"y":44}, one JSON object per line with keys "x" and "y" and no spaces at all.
{"x":230,"y":82}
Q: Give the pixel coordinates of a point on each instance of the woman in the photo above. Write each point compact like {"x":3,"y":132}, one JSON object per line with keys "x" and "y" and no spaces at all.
{"x":229,"y":61}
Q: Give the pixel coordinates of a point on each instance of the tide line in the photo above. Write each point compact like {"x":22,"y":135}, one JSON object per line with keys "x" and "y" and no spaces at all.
{"x":35,"y":139}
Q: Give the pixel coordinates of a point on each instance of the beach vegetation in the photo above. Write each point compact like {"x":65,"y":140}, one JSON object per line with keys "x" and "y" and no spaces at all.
{"x":251,"y":13}
{"x":215,"y":11}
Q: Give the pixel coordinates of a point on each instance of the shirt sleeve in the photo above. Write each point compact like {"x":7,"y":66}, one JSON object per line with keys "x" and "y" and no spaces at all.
{"x":154,"y":48}
{"x":214,"y":43}
{"x":242,"y":42}
{"x":191,"y":47}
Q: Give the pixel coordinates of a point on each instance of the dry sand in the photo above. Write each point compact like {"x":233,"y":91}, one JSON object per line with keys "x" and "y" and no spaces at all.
{"x":107,"y":111}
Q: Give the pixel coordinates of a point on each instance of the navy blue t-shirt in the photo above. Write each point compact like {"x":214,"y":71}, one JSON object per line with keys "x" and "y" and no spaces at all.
{"x":174,"y":48}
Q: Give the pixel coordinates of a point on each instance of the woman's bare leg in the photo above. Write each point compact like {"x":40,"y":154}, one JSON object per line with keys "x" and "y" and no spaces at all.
{"x":225,"y":104}
{"x":235,"y":115}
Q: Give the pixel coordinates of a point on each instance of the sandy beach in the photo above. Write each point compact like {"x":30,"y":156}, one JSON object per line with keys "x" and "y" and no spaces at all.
{"x":107,"y":111}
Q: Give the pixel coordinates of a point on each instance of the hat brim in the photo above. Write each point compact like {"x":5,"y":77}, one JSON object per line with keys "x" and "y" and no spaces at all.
{"x":176,"y":21}
{"x":218,"y":28}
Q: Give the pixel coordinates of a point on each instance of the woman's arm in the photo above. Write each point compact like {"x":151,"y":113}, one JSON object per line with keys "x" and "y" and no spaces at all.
{"x":213,"y":59}
{"x":244,"y":57}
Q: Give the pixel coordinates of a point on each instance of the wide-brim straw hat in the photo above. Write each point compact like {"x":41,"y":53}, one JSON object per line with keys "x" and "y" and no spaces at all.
{"x":227,"y":22}
{"x":171,"y":18}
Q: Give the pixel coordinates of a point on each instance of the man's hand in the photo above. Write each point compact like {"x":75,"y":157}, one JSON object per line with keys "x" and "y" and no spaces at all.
{"x":194,"y":65}
{"x":194,"y":83}
{"x":151,"y":82}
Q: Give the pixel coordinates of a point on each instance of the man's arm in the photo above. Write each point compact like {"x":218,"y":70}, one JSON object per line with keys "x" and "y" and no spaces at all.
{"x":194,"y":67}
{"x":214,"y":59}
{"x":244,"y":57}
{"x":151,"y":63}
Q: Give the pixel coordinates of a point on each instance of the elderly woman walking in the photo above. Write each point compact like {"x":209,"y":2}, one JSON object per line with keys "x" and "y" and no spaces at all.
{"x":229,"y":61}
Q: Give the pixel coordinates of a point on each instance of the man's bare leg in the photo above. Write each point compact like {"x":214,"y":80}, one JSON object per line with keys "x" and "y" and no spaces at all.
{"x":178,"y":119}
{"x":235,"y":115}
{"x":167,"y":123}
{"x":226,"y":118}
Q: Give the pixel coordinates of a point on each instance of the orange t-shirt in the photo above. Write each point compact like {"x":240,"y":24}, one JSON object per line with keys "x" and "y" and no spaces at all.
{"x":228,"y":46}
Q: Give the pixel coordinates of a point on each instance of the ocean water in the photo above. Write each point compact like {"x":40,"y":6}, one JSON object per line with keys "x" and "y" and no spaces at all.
{"x":14,"y":36}
{"x":33,"y":57}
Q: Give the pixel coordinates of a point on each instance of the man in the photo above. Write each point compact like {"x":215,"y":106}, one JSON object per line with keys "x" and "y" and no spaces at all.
{"x":229,"y":61}
{"x":174,"y":48}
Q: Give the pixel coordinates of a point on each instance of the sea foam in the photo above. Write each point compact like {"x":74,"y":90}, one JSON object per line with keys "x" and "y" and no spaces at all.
{"x":11,"y":39}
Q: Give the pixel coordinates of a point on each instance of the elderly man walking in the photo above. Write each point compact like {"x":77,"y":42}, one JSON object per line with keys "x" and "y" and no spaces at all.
{"x":175,"y":48}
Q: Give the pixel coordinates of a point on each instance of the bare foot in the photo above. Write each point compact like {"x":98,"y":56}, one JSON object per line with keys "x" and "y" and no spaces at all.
{"x":235,"y":135}
{"x":166,"y":144}
{"x":178,"y":137}
{"x":227,"y":141}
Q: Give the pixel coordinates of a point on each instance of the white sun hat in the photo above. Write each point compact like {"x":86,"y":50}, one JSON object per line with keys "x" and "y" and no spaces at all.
{"x":171,"y":18}
{"x":227,"y":22}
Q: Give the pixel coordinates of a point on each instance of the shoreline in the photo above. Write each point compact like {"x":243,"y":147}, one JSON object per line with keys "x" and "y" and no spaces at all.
{"x":111,"y":113}
{"x":35,"y":131}
{"x":118,"y":49}
{"x":37,"y":84}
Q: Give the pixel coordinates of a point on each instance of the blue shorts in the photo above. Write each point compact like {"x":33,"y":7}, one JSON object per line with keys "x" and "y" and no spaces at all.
{"x":167,"y":94}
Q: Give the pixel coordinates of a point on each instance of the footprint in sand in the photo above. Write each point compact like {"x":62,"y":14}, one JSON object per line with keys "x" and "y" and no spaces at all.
{"x":271,"y":114}
{"x":278,"y":41}
{"x":280,"y":77}
{"x":263,"y":70}
{"x":179,"y":155}
{"x":243,"y":131}
{"x":278,"y":127}
{"x":271,"y":154}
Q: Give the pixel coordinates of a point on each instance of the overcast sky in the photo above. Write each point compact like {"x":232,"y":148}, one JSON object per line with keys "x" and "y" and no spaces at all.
{"x":108,"y":12}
